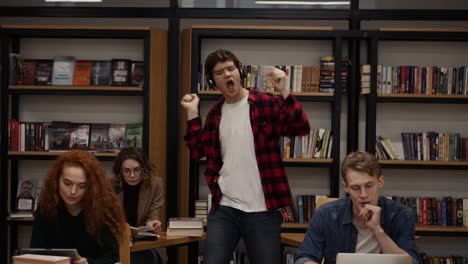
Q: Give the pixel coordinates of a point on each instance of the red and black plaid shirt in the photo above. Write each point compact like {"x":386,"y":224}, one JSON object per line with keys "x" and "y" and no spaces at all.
{"x":271,"y":117}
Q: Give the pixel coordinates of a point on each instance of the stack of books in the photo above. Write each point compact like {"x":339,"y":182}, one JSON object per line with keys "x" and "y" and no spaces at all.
{"x":201,"y":209}
{"x":185,"y":226}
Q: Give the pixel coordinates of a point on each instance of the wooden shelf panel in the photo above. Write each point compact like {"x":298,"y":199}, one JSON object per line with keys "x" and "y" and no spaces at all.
{"x":423,"y":98}
{"x":314,"y":97}
{"x":311,"y":160}
{"x":420,"y":230}
{"x":76,"y":90}
{"x":20,"y":219}
{"x":47,"y":155}
{"x":425,"y":162}
{"x":71,"y":27}
{"x":261,"y":27}
{"x":297,"y":162}
{"x":441,"y":96}
{"x":294,"y":225}
{"x":445,"y":229}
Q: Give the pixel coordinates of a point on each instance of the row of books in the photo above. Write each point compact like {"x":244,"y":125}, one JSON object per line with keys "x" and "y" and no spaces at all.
{"x":318,"y":144}
{"x":327,"y":74}
{"x":434,"y":146}
{"x":384,"y":149}
{"x":444,"y":146}
{"x":409,"y":79}
{"x":306,"y":205}
{"x":60,"y":136}
{"x":427,"y":259}
{"x":70,"y":71}
{"x":304,"y":208}
{"x":299,"y":78}
{"x":447,"y":211}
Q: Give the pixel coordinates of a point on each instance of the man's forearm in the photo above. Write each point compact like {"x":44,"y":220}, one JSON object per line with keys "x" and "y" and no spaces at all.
{"x":387,"y":245}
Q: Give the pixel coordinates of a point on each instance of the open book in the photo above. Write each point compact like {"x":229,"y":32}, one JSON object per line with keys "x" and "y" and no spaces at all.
{"x":143,"y":233}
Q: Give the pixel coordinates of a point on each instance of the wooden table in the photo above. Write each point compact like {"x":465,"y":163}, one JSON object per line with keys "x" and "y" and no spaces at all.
{"x":163,"y":241}
{"x":292,"y":239}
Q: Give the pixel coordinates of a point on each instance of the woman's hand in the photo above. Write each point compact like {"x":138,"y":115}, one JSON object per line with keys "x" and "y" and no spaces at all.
{"x":155,"y":224}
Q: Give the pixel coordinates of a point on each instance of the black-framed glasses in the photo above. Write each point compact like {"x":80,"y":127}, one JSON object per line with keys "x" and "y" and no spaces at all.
{"x":137,"y":171}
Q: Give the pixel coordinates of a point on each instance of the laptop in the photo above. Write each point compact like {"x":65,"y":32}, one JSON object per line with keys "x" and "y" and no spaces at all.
{"x":364,"y":258}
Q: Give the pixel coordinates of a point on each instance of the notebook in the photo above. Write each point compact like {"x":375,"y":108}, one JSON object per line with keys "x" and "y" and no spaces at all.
{"x":363,"y":258}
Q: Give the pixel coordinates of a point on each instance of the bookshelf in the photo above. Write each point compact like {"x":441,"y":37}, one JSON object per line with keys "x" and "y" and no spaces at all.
{"x":424,"y":112}
{"x":85,"y":104}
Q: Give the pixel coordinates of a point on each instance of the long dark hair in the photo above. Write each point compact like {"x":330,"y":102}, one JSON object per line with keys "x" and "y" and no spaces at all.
{"x":148,"y":169}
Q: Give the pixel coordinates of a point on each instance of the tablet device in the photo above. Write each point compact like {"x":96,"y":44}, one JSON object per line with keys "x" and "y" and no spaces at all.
{"x":67,"y":252}
{"x":364,"y":258}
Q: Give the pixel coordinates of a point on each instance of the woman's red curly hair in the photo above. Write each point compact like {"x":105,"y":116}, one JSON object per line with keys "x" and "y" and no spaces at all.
{"x":100,"y":204}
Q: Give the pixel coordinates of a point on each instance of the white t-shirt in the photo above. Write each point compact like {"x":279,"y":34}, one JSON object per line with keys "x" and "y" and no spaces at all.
{"x":239,"y":177}
{"x":366,"y":242}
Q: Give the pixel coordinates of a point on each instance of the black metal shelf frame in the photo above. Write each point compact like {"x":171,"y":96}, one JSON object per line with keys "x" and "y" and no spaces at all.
{"x":10,"y":107}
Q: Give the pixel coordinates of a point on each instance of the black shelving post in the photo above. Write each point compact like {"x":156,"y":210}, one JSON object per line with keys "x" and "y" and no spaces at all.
{"x":352,"y":136}
{"x":336,"y":116}
{"x":371,"y":104}
{"x":4,"y":254}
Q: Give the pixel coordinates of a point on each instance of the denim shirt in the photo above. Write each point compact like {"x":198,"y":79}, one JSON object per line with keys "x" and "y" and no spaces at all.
{"x":331,"y":230}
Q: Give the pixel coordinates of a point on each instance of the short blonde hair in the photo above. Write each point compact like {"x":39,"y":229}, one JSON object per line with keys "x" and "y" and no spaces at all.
{"x":361,"y":161}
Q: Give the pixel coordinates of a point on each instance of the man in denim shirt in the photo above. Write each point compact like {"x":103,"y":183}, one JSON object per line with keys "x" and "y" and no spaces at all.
{"x":363,"y":222}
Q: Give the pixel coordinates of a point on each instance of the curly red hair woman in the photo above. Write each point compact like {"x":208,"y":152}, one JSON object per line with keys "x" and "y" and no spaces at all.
{"x":79,"y":209}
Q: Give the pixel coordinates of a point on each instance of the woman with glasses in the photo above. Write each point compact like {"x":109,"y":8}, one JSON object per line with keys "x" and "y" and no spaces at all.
{"x":140,"y":191}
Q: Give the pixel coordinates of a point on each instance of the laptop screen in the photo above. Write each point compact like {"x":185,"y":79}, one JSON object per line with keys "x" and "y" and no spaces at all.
{"x":363,"y":258}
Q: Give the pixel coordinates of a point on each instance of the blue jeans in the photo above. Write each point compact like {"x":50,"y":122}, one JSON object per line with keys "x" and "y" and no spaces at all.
{"x":261,"y":233}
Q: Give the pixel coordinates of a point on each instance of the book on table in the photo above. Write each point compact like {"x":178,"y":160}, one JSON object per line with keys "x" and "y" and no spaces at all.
{"x":185,"y":226}
{"x":35,"y":258}
{"x":191,"y":232}
{"x":64,"y":252}
{"x":186,"y":222}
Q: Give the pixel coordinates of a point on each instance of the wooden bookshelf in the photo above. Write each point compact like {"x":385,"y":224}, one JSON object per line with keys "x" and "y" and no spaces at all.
{"x":76,"y":88}
{"x":458,"y":96}
{"x":424,"y":162}
{"x":73,"y":27}
{"x":445,"y":229}
{"x":298,"y":94}
{"x":20,"y":219}
{"x":294,"y":225}
{"x":51,"y":155}
{"x":311,"y":160}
